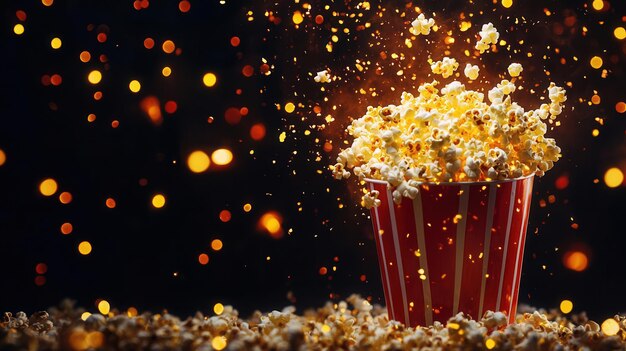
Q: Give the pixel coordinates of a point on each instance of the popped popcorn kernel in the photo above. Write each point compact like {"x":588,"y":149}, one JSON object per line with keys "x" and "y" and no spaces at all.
{"x":322,"y":77}
{"x":421,"y":25}
{"x":445,"y":67}
{"x":471,"y":71}
{"x":515,"y":69}
{"x":488,"y":35}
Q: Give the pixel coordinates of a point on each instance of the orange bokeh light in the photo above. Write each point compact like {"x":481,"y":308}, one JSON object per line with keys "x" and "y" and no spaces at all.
{"x":271,"y":222}
{"x":148,"y":43}
{"x":151,"y":106}
{"x":168,"y":46}
{"x":235,"y":41}
{"x":171,"y":106}
{"x":257,"y":132}
{"x":203,"y":259}
{"x":576,"y":260}
{"x":110,"y":202}
{"x":66,"y":228}
{"x":184,"y":6}
{"x":562,"y":182}
{"x":65,"y":197}
{"x":225,"y":216}
{"x":41,"y":268}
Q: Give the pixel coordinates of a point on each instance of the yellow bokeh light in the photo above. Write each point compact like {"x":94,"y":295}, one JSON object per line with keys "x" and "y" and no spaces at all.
{"x":217,"y":244}
{"x":104,"y":307}
{"x":84,"y":248}
{"x":613,"y":177}
{"x":507,"y":3}
{"x":297,"y":17}
{"x":596,"y":62}
{"x":290,"y":107}
{"x":222,"y":157}
{"x":566,"y":306}
{"x":47,"y":2}
{"x":158,"y":201}
{"x":620,"y":33}
{"x":595,"y":132}
{"x":134,"y":86}
{"x":94,"y":77}
{"x":490,"y":344}
{"x":209,"y":79}
{"x":3,"y":157}
{"x":247,"y":207}
{"x":85,"y":315}
{"x":48,"y":187}
{"x":18,"y":29}
{"x":576,"y":261}
{"x":168,"y":46}
{"x":610,"y":327}
{"x":166,"y":71}
{"x":597,"y":5}
{"x":218,"y":308}
{"x":198,"y":161}
{"x":56,"y":43}
{"x":219,"y":343}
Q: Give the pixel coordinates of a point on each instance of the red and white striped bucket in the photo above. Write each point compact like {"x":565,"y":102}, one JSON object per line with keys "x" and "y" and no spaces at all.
{"x":457,"y":247}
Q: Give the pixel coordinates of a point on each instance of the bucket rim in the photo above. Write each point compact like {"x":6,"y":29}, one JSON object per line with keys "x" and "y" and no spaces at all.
{"x":483,"y":182}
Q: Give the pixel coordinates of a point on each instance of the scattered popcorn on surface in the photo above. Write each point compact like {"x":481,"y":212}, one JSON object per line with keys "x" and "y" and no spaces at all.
{"x":421,"y":25}
{"x":515,"y":69}
{"x":488,"y":35}
{"x":471,"y":71}
{"x":353,"y":324}
{"x":445,"y":67}
{"x":322,"y":77}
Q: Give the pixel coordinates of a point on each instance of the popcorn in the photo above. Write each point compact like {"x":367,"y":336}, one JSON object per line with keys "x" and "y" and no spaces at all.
{"x":452,"y":134}
{"x":421,"y":25}
{"x":371,"y":199}
{"x":322,"y":77}
{"x":488,"y":35}
{"x":471,"y":71}
{"x":445,"y":67}
{"x":515,"y":69}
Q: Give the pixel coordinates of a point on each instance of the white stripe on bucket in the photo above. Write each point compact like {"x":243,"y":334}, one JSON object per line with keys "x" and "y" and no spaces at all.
{"x":519,"y":244}
{"x":384,"y":258}
{"x":460,"y":247}
{"x":421,"y":243}
{"x":506,"y":243}
{"x":396,"y":244}
{"x":486,"y":245}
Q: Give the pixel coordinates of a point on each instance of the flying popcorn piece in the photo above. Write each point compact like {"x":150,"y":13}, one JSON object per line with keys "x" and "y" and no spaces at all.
{"x":515,"y":69}
{"x":488,"y":35}
{"x":445,"y":67}
{"x":471,"y":71}
{"x":322,"y":77}
{"x":421,"y":25}
{"x":371,"y":199}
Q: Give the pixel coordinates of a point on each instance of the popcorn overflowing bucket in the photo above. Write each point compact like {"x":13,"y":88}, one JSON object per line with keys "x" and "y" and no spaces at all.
{"x":456,"y":247}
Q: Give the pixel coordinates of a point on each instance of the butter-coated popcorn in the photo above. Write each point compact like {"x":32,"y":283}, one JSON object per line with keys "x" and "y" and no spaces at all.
{"x":488,"y":35}
{"x":515,"y":69}
{"x":445,"y":67}
{"x":322,"y":77}
{"x":421,"y":25}
{"x":471,"y":71}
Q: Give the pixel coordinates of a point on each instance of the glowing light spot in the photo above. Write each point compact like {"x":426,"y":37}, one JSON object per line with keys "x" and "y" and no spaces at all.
{"x":56,"y":43}
{"x":85,"y":315}
{"x":134,"y":86}
{"x":158,"y":201}
{"x":566,"y":306}
{"x":166,"y":71}
{"x":289,"y":107}
{"x":203,"y":259}
{"x":150,"y":106}
{"x":148,"y":43}
{"x":323,"y":270}
{"x":297,"y":17}
{"x":610,"y":327}
{"x":18,"y":29}
{"x":325,"y":328}
{"x":218,"y":308}
{"x":576,"y":261}
{"x":222,"y":157}
{"x":110,"y":203}
{"x":271,"y":222}
{"x":184,"y":6}
{"x":168,"y":46}
{"x":282,"y":137}
{"x":41,"y":268}
{"x":66,"y":228}
{"x":47,"y":2}
{"x":84,"y":248}
{"x":620,"y":33}
{"x":56,"y":80}
{"x":217,"y":245}
{"x":219,"y":343}
{"x":198,"y":161}
{"x":596,"y":62}
{"x":247,"y":71}
{"x":490,"y":344}
{"x":101,"y":37}
{"x":620,"y":107}
{"x":40,"y":280}
{"x":171,"y":106}
{"x":247,"y":207}
{"x":48,"y":187}
{"x":132,"y":312}
{"x":613,"y":177}
{"x":104,"y":307}
{"x":595,"y":132}
{"x":225,"y":216}
{"x":597,"y":5}
{"x":65,"y":197}
{"x":232,"y":115}
{"x":235,"y":41}
{"x":257,"y":132}
{"x":507,"y":3}
{"x":94,"y":77}
{"x":3,"y":157}
{"x":209,"y":79}
{"x":85,"y":56}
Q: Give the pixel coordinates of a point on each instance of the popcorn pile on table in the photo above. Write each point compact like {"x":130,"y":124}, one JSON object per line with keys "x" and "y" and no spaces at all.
{"x":353,"y":324}
{"x":449,"y":133}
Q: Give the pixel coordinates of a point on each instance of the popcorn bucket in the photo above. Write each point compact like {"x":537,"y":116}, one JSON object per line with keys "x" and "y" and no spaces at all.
{"x":457,"y":247}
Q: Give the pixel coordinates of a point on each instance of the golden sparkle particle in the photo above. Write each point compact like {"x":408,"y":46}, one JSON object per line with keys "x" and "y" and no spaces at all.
{"x":94,"y":77}
{"x":48,"y":187}
{"x":218,"y":308}
{"x":566,"y":306}
{"x":198,"y":161}
{"x":104,"y":307}
{"x":84,"y":248}
{"x":613,"y":177}
{"x":507,"y":3}
{"x":18,"y":29}
{"x":222,"y":157}
{"x":610,"y":327}
{"x":290,"y":107}
{"x":209,"y":79}
{"x":596,"y":62}
{"x":219,"y":343}
{"x":297,"y":17}
{"x":134,"y":86}
{"x":158,"y":201}
{"x":56,"y":43}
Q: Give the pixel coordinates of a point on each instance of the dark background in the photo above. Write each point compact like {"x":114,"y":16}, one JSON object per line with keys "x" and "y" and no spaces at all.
{"x":148,"y":258}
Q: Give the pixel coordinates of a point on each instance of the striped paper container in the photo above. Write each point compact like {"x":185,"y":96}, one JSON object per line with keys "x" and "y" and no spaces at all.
{"x":457,"y":247}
